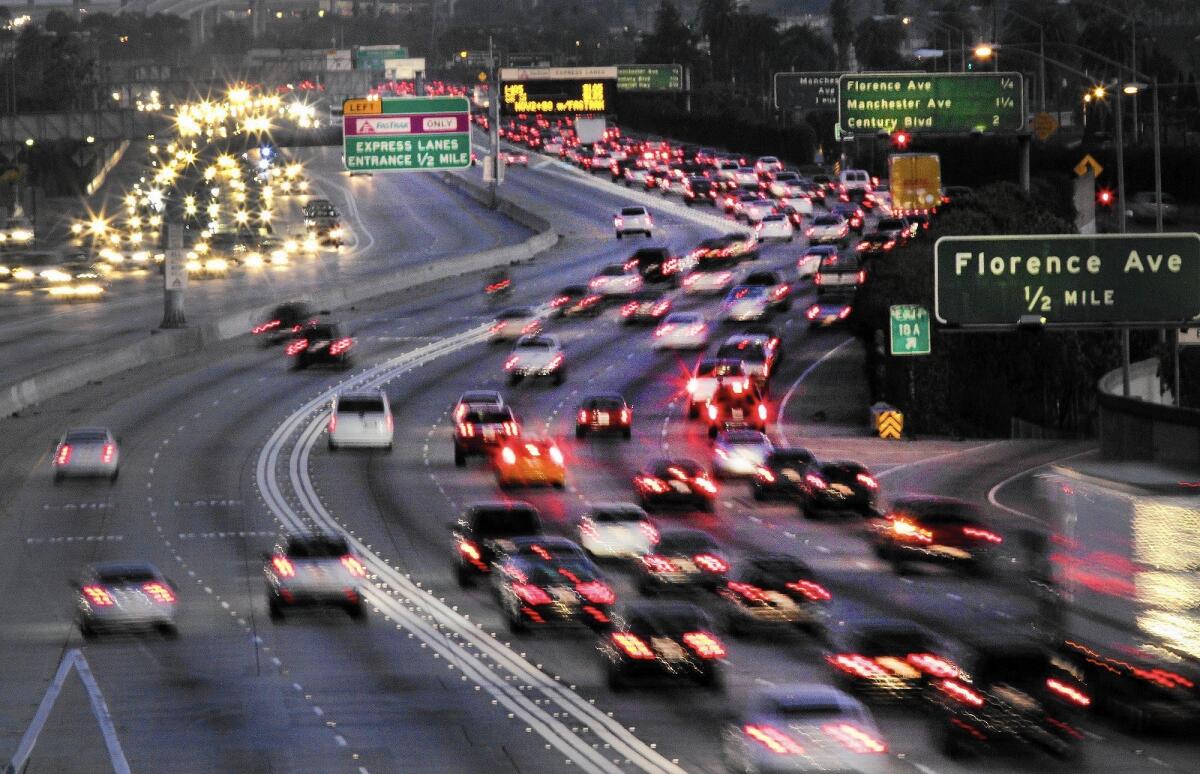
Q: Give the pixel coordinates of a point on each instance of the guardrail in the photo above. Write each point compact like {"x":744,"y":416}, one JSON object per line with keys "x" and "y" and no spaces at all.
{"x":1135,"y":429}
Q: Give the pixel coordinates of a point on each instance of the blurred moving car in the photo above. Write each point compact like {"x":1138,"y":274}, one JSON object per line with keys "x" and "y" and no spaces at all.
{"x":548,"y":581}
{"x":887,"y":659}
{"x":830,"y":309}
{"x":321,"y":341}
{"x":480,"y":429}
{"x":702,"y":282}
{"x":662,"y":641}
{"x":314,"y":569}
{"x":923,"y":529}
{"x":776,"y":226}
{"x":127,"y":596}
{"x":576,"y":301}
{"x":617,"y":531}
{"x":633,"y":220}
{"x":282,"y":322}
{"x":811,"y":259}
{"x":536,"y":356}
{"x":739,"y":453}
{"x":683,"y":559}
{"x":805,"y":728}
{"x":745,"y":303}
{"x":527,"y":461}
{"x":512,"y":324}
{"x":667,"y":483}
{"x":758,"y":353}
{"x":837,"y":486}
{"x":708,"y":376}
{"x":360,"y":419}
{"x":486,"y":530}
{"x":771,"y":590}
{"x":681,"y":330}
{"x":87,"y":452}
{"x":607,"y":413}
{"x":615,"y":280}
{"x":646,"y":306}
{"x":828,"y":229}
{"x":781,"y":476}
{"x":735,"y":406}
{"x":839,"y":273}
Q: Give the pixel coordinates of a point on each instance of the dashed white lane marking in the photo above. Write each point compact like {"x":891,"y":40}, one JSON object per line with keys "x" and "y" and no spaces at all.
{"x":37,"y":541}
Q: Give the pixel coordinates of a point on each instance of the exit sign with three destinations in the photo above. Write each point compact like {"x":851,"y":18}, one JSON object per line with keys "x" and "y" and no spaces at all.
{"x":930,"y":103}
{"x":397,"y":134}
{"x":1071,"y":279}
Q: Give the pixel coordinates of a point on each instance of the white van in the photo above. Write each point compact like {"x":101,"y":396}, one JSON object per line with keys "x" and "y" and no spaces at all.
{"x":855,"y":180}
{"x":361,"y":419}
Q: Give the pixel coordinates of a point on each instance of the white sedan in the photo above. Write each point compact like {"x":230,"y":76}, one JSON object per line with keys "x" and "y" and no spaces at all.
{"x":512,"y":324}
{"x":740,"y":453}
{"x":707,"y":282}
{"x":805,"y":728}
{"x":633,"y":220}
{"x":616,"y":280}
{"x":801,"y":204}
{"x":536,"y":356}
{"x":810,"y":262}
{"x":776,"y":227}
{"x":682,"y":330}
{"x":745,"y":303}
{"x":617,"y":531}
{"x":826,"y":229}
{"x":756,"y":210}
{"x":87,"y":452}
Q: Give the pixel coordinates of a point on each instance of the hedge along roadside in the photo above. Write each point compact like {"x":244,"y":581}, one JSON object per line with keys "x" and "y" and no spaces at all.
{"x":167,"y":344}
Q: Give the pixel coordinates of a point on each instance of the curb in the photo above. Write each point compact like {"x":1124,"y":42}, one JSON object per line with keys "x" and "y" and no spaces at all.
{"x":164,"y":345}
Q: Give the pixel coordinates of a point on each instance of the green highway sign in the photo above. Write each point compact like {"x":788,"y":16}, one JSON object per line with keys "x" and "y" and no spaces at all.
{"x":910,"y":329}
{"x":381,"y":135}
{"x":1102,"y":279}
{"x":650,"y":77}
{"x":930,"y":103}
{"x":807,"y":91}
{"x":373,"y":57}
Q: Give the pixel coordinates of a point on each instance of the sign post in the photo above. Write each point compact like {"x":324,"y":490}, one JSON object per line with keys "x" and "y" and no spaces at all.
{"x":930,"y":103}
{"x":910,"y":329}
{"x":411,"y":133}
{"x":174,"y":278}
{"x":1061,"y":280}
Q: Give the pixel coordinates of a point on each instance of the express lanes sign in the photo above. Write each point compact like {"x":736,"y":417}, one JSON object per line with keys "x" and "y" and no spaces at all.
{"x":380,"y":135}
{"x":1067,"y":279}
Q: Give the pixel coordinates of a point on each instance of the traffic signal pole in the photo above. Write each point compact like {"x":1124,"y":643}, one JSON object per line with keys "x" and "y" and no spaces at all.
{"x":494,"y":128}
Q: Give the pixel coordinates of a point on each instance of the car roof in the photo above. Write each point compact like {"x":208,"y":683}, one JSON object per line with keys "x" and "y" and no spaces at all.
{"x":123,"y":565}
{"x":742,"y":436}
{"x":538,"y":339}
{"x":803,"y":694}
{"x":514,"y":312}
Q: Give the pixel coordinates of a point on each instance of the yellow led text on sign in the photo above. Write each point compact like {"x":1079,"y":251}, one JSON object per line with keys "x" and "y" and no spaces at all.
{"x":591,"y":100}
{"x":1036,"y":299}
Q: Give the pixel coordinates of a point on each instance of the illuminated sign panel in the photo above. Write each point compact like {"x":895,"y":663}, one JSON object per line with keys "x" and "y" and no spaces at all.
{"x":941,"y":103}
{"x":558,"y":97}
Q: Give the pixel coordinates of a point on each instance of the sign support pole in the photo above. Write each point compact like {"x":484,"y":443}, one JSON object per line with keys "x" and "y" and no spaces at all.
{"x":1125,"y":362}
{"x":1024,"y":142}
{"x":494,"y":138}
{"x":175,"y":266}
{"x":1175,"y":359}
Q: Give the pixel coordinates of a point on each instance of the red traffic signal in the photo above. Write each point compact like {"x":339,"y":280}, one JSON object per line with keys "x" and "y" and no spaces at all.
{"x":901,"y":140}
{"x":1104,"y":197}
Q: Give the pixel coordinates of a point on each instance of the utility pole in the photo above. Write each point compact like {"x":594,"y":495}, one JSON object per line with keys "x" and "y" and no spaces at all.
{"x":494,"y":126}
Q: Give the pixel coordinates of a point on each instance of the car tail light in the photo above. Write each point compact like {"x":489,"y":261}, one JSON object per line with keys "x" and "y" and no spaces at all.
{"x":712,"y":411}
{"x":354,"y":566}
{"x":632,"y":646}
{"x":266,"y":326}
{"x":531,"y":594}
{"x":583,"y":416}
{"x":765,"y":474}
{"x":159,"y":592}
{"x":813,"y":310}
{"x":98,"y":596}
{"x":510,"y":428}
{"x":810,"y":589}
{"x":814,"y":480}
{"x":982,"y":534}
{"x":508,"y":455}
{"x":556,"y":455}
{"x":511,"y":363}
{"x":762,"y":411}
{"x":340,"y":346}
{"x":888,"y":245}
{"x":932,"y":665}
{"x":773,"y":739}
{"x":1068,"y":692}
{"x":466,"y":429}
{"x":332,"y":422}
{"x":710,"y":563}
{"x":670,"y":266}
{"x":656,"y":563}
{"x":704,"y":645}
{"x":108,"y":453}
{"x":655,"y":485}
{"x":961,"y":693}
{"x":532,"y":327}
{"x":283,"y":567}
{"x":556,"y":303}
{"x":663,"y":330}
{"x":691,"y":386}
{"x":844,"y":313}
{"x":863,"y":246}
{"x":497,"y":326}
{"x":391,"y":423}
{"x":625,"y":416}
{"x":469,"y":550}
{"x":861,"y":277}
{"x":858,"y":665}
{"x":661,"y":308}
{"x":555,"y":363}
{"x":618,"y":222}
{"x":750,"y":592}
{"x":705,"y":484}
{"x":854,"y":738}
{"x":63,"y":455}
{"x":629,"y":309}
{"x":817,"y":279}
{"x":597,"y":592}
{"x":1163,"y":678}
{"x":297,"y":346}
{"x":866,"y":480}
{"x":908,"y":530}
{"x":649,"y":530}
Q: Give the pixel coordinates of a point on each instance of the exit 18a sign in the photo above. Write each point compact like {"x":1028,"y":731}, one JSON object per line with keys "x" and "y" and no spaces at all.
{"x":422,"y":133}
{"x":910,"y":329}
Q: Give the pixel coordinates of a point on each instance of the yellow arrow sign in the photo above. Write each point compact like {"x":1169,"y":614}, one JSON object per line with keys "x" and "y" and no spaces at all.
{"x":1087,"y":162}
{"x":890,"y":424}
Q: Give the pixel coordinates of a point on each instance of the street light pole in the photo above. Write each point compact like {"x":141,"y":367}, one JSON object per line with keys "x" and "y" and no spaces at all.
{"x":1158,"y":210}
{"x":1120,"y":151}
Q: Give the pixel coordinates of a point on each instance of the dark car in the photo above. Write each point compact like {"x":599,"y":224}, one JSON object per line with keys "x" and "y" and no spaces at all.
{"x":724,"y":252}
{"x":781,"y":477}
{"x":887,"y":659}
{"x":607,"y":413}
{"x":837,"y":487}
{"x":283,"y":322}
{"x":1143,"y":691}
{"x":1010,"y":695}
{"x":577,"y":301}
{"x":699,"y":189}
{"x":656,"y":265}
{"x":953,"y":196}
{"x":486,"y":529}
{"x":899,"y":229}
{"x":935,"y":530}
{"x":662,"y":641}
{"x":921,"y":223}
{"x":780,"y":293}
{"x":550,"y":581}
{"x":852,"y":213}
{"x":683,"y":559}
{"x":830,"y":309}
{"x":675,"y":483}
{"x":773,"y":590}
{"x":646,"y":307}
{"x":876,"y":244}
{"x":321,"y":342}
{"x":482,"y":430}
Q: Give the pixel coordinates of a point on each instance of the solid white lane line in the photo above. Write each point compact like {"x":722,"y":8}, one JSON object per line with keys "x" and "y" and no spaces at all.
{"x":796,"y":385}
{"x":991,"y":495}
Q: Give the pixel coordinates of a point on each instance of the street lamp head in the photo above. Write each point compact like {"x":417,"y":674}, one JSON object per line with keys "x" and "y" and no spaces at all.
{"x":1099,"y":92}
{"x":984,"y":50}
{"x":1134,"y":88}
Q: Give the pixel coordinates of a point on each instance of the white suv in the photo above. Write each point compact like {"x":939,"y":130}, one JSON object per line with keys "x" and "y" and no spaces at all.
{"x":633,"y":220}
{"x":362,"y":419}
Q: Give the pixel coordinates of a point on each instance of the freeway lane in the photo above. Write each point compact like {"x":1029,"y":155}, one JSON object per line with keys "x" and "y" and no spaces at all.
{"x":397,"y":221}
